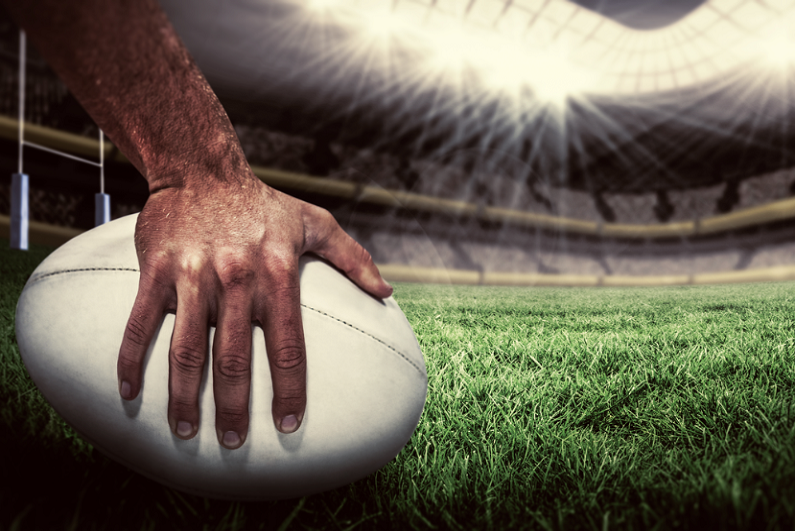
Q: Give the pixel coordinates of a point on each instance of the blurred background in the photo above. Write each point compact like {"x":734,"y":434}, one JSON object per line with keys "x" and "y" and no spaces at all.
{"x":479,"y":141}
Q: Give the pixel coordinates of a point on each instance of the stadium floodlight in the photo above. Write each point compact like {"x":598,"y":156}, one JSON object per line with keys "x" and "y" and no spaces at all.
{"x":549,"y":74}
{"x":449,"y":44}
{"x":555,"y":49}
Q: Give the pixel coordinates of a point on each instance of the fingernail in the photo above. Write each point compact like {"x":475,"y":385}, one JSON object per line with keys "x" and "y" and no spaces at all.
{"x":185,"y":428}
{"x":231,"y":439}
{"x":126,"y":390}
{"x":289,"y":424}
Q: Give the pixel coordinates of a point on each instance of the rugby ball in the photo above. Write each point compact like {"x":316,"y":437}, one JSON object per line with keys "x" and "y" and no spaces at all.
{"x":366,"y":379}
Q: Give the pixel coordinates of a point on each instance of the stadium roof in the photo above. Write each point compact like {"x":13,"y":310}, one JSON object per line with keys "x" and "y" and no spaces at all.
{"x":568,"y":92}
{"x":579,"y":99}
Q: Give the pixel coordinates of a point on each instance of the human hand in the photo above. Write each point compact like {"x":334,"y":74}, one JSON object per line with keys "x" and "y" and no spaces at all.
{"x":225,"y":253}
{"x":214,"y":244}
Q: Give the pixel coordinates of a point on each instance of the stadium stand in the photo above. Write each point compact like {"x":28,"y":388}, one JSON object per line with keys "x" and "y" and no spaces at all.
{"x":456,"y":239}
{"x":723,"y":209}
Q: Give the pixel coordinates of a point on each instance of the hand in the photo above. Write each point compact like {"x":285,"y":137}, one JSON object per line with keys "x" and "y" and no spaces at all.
{"x":226,"y":254}
{"x":214,"y":244}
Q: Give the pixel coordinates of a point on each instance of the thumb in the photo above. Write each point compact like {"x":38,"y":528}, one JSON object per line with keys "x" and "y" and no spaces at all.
{"x":336,"y":246}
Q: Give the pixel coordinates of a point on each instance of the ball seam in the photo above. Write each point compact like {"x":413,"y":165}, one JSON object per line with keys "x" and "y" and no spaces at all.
{"x":36,"y":278}
{"x":387,"y":345}
{"x":133,"y":270}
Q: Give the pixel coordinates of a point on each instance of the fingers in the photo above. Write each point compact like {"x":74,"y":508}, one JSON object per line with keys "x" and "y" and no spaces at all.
{"x":147,"y":312}
{"x":336,"y":246}
{"x":186,"y":359}
{"x":280,"y":315}
{"x":232,"y":353}
{"x":278,"y":309}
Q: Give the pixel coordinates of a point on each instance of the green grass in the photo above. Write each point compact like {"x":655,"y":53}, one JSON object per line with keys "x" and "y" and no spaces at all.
{"x":547,"y":409}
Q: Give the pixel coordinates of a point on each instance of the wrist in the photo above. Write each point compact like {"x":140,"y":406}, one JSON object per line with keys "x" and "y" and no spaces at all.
{"x":202,"y":161}
{"x":125,"y":64}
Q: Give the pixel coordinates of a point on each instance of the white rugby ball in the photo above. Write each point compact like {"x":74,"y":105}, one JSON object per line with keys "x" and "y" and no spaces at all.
{"x":366,"y":379}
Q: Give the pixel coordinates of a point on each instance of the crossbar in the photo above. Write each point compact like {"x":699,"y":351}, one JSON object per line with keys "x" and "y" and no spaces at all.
{"x":66,"y":155}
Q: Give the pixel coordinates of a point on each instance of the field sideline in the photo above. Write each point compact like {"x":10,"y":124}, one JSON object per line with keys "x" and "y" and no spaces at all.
{"x":548,"y":408}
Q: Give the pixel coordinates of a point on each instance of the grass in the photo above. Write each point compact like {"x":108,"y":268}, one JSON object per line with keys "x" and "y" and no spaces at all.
{"x":651,"y":408}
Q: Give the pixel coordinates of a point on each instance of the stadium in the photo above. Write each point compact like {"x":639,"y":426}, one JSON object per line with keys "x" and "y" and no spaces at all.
{"x":586,"y":209}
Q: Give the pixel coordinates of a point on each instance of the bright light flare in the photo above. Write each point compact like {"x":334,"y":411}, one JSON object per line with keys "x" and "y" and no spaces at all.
{"x":550,"y":75}
{"x":502,"y":63}
{"x":556,"y":78}
{"x":321,"y":6}
{"x":777,"y":46}
{"x":450,"y":40}
{"x":382,"y":26}
{"x":448,"y":49}
{"x":505,"y":65}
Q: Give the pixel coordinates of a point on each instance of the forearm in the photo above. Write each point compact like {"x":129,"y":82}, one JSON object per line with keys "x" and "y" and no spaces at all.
{"x":125,"y":64}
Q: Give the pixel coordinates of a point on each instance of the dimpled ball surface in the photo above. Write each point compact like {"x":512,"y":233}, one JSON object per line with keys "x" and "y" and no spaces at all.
{"x":366,"y":379}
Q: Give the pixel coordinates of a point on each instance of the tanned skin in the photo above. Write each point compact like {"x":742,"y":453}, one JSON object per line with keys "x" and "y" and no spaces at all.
{"x":215,"y":245}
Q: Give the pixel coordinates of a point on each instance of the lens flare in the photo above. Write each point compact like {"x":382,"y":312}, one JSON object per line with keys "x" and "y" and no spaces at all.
{"x":777,"y":45}
{"x":322,"y":5}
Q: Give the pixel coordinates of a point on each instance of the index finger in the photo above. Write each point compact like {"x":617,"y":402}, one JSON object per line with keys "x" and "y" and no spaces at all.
{"x":147,"y":312}
{"x":280,"y":316}
{"x":337,"y":246}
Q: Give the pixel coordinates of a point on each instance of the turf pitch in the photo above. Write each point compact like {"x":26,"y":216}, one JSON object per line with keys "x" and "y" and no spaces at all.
{"x":548,"y":408}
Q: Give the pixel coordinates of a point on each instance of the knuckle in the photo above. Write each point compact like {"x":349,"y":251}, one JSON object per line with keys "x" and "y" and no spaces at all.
{"x":289,"y":356}
{"x":281,"y":281}
{"x":364,"y":256}
{"x":155,"y":267}
{"x":233,"y":369}
{"x":280,"y":264}
{"x":360,"y":260}
{"x":135,"y":332}
{"x":319,"y":225}
{"x":234,"y":272}
{"x":322,"y":216}
{"x":187,"y":359}
{"x":192,"y":264}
